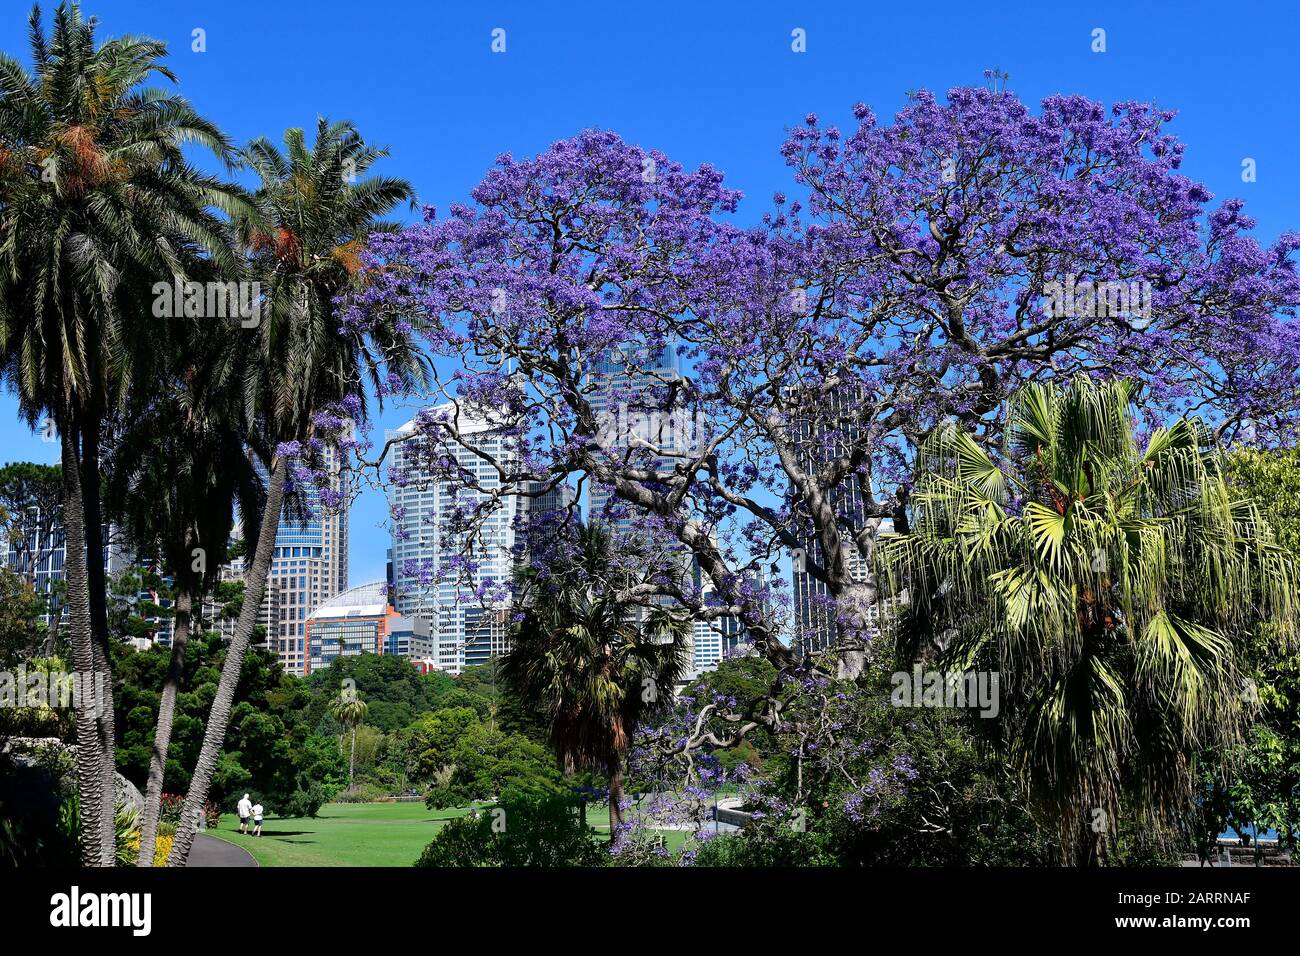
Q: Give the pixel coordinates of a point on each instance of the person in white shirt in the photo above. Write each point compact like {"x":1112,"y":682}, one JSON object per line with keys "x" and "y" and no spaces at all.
{"x":257,"y":819}
{"x":245,"y":810}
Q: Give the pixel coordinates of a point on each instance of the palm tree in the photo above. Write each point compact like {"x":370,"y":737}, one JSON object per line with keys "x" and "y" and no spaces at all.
{"x":175,"y":474}
{"x":1112,"y":586}
{"x":592,"y":662}
{"x":313,"y":214}
{"x":97,"y":203}
{"x":349,"y":710}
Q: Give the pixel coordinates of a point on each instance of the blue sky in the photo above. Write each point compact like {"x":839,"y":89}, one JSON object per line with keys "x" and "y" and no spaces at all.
{"x":715,"y":82}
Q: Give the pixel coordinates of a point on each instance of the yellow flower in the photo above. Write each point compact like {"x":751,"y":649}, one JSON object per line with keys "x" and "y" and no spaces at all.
{"x":161,"y":849}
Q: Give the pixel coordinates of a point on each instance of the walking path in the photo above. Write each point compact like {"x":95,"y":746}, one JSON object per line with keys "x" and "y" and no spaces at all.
{"x":209,"y":851}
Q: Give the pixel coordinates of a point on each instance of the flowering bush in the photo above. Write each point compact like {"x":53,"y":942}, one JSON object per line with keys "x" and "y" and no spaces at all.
{"x":171,"y":811}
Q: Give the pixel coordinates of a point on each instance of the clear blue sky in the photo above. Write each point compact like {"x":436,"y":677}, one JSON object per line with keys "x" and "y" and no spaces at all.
{"x":713,"y":82}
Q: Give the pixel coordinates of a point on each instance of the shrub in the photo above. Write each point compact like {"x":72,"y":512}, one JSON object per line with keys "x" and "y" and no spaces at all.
{"x":126,"y":834}
{"x":526,"y":828}
{"x":33,"y":828}
{"x":171,"y":812}
{"x":775,"y":847}
{"x":362,"y":793}
{"x":304,"y":802}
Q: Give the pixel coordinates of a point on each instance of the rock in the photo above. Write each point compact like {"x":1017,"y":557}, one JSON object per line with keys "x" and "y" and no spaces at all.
{"x":26,"y":752}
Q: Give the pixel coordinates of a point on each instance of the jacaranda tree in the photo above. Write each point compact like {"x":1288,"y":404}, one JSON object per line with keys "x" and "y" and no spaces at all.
{"x":920,"y":272}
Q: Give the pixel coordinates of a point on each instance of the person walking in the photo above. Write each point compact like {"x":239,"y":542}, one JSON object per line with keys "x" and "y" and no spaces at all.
{"x":257,"y":819}
{"x":245,"y":810}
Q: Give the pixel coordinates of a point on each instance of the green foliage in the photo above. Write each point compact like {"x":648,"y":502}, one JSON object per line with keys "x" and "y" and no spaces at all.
{"x":20,"y":631}
{"x":745,"y":680}
{"x":927,"y":793}
{"x":271,"y":748}
{"x":394,"y":691}
{"x":761,"y":844}
{"x":525,"y":828}
{"x":31,"y":502}
{"x":305,"y":801}
{"x":1262,"y":789}
{"x":1271,"y":479}
{"x":25,"y":485}
{"x":484,"y":761}
{"x":1113,"y":587}
{"x":592,"y":664}
{"x":34,"y":826}
{"x":460,"y":699}
{"x":435,"y":737}
{"x":494,"y":698}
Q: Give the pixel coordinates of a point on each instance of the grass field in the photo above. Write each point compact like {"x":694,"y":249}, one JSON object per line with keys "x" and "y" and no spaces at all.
{"x":362,"y":834}
{"x":343,"y":834}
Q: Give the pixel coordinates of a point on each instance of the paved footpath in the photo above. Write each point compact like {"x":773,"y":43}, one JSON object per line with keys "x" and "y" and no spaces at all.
{"x":209,"y":851}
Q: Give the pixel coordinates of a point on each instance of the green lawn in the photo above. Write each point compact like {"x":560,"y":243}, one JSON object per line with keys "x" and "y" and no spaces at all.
{"x":363,"y":834}
{"x":343,"y":834}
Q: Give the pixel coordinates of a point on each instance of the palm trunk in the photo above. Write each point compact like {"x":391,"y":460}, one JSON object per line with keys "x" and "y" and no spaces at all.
{"x":214,"y":735}
{"x":352,"y":757}
{"x":97,"y":592}
{"x":163,"y":734}
{"x":615,"y":797}
{"x":90,"y":791}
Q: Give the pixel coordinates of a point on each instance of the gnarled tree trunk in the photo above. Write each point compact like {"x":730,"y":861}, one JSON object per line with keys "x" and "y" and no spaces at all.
{"x":163,"y":734}
{"x":214,"y":735}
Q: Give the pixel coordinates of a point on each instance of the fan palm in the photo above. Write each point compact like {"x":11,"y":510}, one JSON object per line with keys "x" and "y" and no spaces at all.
{"x":97,"y":203}
{"x":312,"y":216}
{"x":350,"y":711}
{"x":591,"y":663}
{"x":1112,"y":586}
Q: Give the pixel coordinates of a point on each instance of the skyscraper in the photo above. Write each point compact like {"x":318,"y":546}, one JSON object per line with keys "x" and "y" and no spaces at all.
{"x":466,"y":601}
{"x":36,"y":551}
{"x":310,"y":566}
{"x":713,"y":639}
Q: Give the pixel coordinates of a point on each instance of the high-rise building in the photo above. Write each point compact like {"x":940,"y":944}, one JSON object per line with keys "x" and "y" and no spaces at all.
{"x":309,"y":567}
{"x":460,"y":587}
{"x":36,"y":551}
{"x":233,"y":571}
{"x":717,"y":638}
{"x":361,"y":621}
{"x":554,"y":501}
